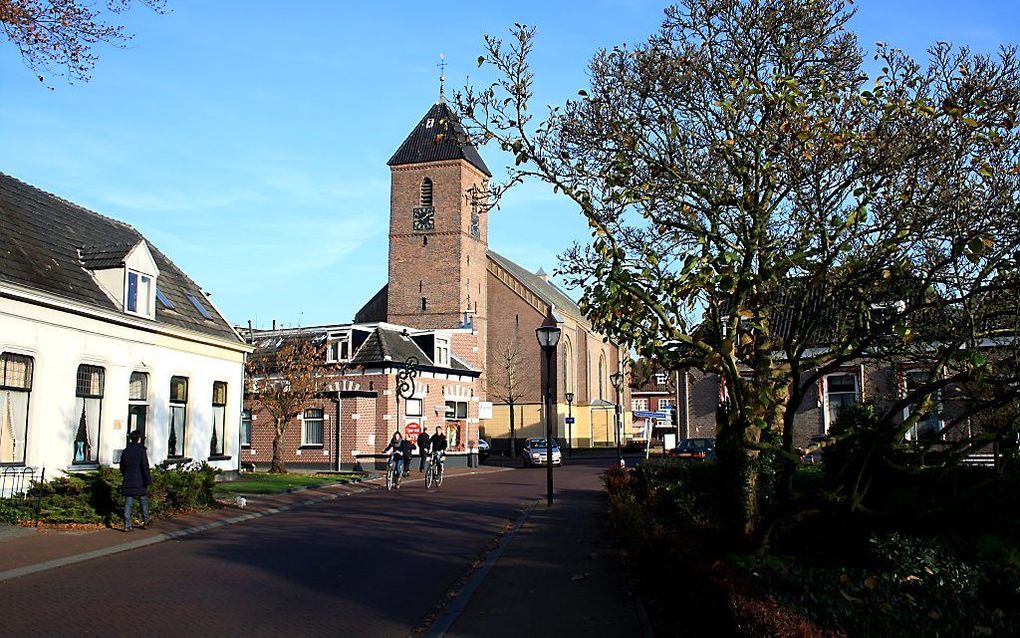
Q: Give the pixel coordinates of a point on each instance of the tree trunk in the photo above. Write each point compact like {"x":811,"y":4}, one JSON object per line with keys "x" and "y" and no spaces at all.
{"x":738,"y":478}
{"x":278,"y":466}
{"x":513,"y":432}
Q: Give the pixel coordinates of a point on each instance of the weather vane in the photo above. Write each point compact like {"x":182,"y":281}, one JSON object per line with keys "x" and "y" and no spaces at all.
{"x":442,"y":74}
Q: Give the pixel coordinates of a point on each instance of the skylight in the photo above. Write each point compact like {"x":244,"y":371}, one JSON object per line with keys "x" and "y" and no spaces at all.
{"x":166,"y":303}
{"x":199,"y":307}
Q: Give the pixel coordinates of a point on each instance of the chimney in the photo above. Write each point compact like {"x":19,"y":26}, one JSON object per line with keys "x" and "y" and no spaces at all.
{"x":274,"y":324}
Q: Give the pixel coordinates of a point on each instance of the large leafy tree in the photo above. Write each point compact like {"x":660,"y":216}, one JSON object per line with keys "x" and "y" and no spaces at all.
{"x":59,"y":36}
{"x":764,"y":210}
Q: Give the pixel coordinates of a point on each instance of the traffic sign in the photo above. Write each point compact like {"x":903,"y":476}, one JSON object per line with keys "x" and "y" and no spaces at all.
{"x":658,"y":416}
{"x":412,"y":430}
{"x":569,"y":420}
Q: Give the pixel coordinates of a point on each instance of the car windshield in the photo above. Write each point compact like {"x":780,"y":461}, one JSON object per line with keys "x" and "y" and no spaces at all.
{"x":697,"y":444}
{"x":540,"y":443}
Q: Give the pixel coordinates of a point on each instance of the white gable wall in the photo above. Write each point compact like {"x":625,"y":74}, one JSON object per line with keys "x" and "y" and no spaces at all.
{"x":60,"y":341}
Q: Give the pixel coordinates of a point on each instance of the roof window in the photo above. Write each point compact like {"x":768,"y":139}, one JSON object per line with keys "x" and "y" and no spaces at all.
{"x":199,"y":307}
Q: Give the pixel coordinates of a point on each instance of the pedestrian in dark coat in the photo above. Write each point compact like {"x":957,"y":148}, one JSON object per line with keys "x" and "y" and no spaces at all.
{"x":423,"y":448}
{"x":134,"y":467}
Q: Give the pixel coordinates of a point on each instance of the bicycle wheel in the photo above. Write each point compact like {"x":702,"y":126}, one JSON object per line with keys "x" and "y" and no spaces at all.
{"x":439,"y":476}
{"x":430,"y":476}
{"x":389,"y":479}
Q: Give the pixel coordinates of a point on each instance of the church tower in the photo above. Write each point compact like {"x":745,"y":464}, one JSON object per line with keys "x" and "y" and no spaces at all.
{"x":438,"y":232}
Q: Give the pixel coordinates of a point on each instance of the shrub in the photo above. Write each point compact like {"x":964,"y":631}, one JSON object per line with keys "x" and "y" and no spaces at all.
{"x":94,"y":497}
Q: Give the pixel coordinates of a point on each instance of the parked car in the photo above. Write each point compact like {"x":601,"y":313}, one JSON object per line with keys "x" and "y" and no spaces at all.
{"x":483,"y":448}
{"x":694,"y":450}
{"x":534,"y":452}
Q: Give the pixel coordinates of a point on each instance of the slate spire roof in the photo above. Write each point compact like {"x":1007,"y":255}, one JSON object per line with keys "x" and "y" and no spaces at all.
{"x":439,"y":136}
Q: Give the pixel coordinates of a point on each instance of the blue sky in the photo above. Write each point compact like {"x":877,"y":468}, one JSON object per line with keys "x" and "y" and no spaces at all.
{"x":251,"y":145}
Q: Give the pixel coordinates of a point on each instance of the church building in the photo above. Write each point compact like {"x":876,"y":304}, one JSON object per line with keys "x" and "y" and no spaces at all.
{"x":446,"y":286}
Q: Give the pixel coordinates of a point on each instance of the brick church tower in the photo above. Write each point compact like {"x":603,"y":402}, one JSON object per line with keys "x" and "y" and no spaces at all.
{"x":438,"y":234}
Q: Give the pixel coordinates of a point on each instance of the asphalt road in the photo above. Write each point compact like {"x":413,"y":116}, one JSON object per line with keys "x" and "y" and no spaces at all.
{"x":369,"y":565}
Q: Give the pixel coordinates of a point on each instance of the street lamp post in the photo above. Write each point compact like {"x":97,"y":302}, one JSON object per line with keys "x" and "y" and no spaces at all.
{"x":617,"y":380}
{"x":405,"y":384}
{"x":570,"y":424}
{"x":548,"y":335}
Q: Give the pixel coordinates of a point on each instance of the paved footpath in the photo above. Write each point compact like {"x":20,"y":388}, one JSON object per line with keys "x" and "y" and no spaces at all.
{"x":374,"y":564}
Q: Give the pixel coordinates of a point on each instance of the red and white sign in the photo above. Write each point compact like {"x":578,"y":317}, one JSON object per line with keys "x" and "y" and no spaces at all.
{"x":412,"y":430}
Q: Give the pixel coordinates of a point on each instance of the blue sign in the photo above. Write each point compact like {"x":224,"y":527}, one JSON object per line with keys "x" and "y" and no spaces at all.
{"x":569,"y":420}
{"x":658,"y":416}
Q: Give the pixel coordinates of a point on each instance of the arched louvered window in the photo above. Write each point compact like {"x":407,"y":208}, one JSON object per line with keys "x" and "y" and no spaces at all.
{"x":426,"y":192}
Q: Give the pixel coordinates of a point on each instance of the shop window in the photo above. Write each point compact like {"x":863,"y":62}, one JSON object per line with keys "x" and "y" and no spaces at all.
{"x":413,"y":407}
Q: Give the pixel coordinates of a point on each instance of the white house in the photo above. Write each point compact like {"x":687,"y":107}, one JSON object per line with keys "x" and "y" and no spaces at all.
{"x":101,"y":334}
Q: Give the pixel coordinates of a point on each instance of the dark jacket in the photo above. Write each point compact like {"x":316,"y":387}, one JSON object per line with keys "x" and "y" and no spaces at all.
{"x":399,"y":447}
{"x":438,"y":442}
{"x":134,"y":466}
{"x":423,"y":443}
{"x":407,"y":448}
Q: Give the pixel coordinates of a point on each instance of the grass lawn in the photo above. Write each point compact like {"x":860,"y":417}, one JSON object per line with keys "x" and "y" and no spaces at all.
{"x":265,"y":483}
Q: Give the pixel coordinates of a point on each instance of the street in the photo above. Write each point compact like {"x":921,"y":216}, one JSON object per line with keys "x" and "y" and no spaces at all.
{"x":374,"y":564}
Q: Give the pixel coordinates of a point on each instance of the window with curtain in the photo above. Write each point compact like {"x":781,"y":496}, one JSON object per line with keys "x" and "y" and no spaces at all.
{"x":840,"y":391}
{"x":15,"y":391}
{"x":138,"y":403}
{"x":177,"y":427}
{"x":219,"y":418}
{"x":312,"y":430}
{"x":89,"y":412}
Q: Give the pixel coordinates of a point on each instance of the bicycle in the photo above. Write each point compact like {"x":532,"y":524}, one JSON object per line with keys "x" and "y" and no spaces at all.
{"x":392,"y":480}
{"x":434,"y":471}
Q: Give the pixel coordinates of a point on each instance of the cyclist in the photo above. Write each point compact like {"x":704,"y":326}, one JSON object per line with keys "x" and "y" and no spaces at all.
{"x":438,"y":445}
{"x":407,"y":448}
{"x":396,"y":452}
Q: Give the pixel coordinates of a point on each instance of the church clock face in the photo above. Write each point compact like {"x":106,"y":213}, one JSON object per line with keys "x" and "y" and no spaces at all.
{"x":423,"y":218}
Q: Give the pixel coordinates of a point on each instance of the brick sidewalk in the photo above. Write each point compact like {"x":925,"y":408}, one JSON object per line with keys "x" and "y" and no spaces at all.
{"x":559,"y":575}
{"x":42,"y":549}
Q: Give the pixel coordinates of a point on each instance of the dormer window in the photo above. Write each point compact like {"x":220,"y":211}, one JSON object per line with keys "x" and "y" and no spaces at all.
{"x":140,"y":294}
{"x":338,"y":349}
{"x":660,"y":378}
{"x":442,"y":352}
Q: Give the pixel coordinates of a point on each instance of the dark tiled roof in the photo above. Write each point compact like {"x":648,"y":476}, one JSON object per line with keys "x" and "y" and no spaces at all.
{"x":106,"y":256}
{"x":544,"y":290}
{"x":44,"y":240}
{"x":445,"y":139}
{"x":389,"y":345}
{"x":376,"y":307}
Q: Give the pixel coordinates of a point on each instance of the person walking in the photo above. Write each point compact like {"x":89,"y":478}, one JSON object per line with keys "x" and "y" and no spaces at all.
{"x":423,"y":448}
{"x":134,"y":467}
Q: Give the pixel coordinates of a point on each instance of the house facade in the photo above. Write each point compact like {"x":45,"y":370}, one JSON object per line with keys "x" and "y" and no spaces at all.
{"x":102,"y":334}
{"x":356,"y":411}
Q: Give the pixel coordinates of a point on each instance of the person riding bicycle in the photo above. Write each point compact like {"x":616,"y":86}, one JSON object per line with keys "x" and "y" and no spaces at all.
{"x":396,"y":452}
{"x":438,"y":445}
{"x":407,"y":449}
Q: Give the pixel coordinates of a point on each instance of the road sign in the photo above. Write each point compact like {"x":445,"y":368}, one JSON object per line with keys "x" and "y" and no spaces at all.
{"x":658,"y":416}
{"x":412,"y":430}
{"x":569,"y":420}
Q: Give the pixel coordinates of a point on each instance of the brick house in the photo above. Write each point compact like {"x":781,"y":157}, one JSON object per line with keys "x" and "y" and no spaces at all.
{"x":355,"y":414}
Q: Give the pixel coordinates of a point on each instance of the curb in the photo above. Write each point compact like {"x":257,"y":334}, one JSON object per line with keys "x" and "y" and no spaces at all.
{"x":197,"y":529}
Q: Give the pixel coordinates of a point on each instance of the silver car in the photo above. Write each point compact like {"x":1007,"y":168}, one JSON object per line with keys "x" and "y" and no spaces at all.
{"x":535,"y":453}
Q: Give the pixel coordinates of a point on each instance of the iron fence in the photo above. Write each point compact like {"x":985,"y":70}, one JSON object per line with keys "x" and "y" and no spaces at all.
{"x":15,"y":483}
